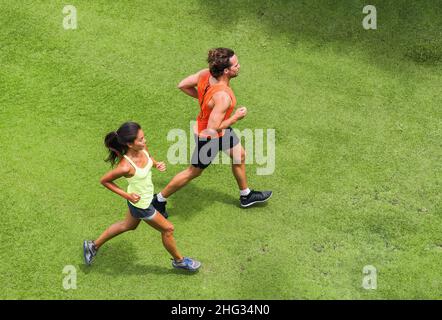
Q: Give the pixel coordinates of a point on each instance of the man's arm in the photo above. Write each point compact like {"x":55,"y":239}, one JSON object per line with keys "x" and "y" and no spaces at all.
{"x":188,"y":85}
{"x":216,"y":120}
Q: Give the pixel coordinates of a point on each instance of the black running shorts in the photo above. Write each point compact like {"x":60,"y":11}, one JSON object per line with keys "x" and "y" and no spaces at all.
{"x":207,"y":149}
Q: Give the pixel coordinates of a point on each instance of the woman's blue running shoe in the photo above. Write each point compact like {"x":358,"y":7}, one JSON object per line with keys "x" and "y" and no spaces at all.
{"x":187,"y":264}
{"x":89,"y":251}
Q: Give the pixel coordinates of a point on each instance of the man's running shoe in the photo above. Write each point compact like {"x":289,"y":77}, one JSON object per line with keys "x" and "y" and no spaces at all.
{"x":160,"y":206}
{"x":89,"y":251}
{"x":187,"y":264}
{"x":255,"y":197}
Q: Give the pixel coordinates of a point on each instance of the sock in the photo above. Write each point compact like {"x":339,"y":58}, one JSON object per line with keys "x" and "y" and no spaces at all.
{"x":161,"y":198}
{"x":244,"y":192}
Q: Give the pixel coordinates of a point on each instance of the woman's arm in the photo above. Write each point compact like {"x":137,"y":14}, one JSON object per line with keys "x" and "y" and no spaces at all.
{"x":108,"y":181}
{"x":159,"y":165}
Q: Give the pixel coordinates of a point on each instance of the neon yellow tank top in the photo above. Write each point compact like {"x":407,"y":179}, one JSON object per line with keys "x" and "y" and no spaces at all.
{"x":141,"y":183}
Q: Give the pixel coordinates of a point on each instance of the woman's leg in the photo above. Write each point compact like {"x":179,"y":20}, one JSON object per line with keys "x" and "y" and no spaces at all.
{"x":166,"y":228}
{"x":129,"y":223}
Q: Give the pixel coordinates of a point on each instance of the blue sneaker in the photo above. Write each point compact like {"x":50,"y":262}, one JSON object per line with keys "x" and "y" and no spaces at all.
{"x":89,"y":251}
{"x":187,"y":263}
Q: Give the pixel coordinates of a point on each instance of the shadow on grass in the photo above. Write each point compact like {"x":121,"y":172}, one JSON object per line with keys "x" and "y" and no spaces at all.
{"x":194,"y":198}
{"x":407,"y":30}
{"x":119,"y":258}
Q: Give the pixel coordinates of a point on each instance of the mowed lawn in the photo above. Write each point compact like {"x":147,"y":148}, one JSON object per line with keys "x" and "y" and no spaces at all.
{"x":357,"y":181}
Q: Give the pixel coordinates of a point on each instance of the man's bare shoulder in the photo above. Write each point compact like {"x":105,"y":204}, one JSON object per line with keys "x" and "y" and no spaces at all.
{"x":221,"y":97}
{"x":201,"y":72}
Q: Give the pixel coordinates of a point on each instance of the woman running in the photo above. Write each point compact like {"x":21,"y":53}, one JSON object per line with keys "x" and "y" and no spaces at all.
{"x":127,"y":149}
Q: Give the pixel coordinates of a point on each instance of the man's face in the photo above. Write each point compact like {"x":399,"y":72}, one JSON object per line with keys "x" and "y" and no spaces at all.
{"x":233,"y":71}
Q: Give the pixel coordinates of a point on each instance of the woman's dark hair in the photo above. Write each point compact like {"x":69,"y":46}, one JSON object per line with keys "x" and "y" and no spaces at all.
{"x":219,"y":59}
{"x":116,"y":141}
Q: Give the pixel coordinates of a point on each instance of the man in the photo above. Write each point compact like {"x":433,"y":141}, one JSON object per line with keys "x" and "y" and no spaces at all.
{"x":213,"y":131}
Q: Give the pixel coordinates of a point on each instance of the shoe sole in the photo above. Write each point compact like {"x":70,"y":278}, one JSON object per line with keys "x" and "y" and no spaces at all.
{"x":254,"y":202}
{"x":190,"y":270}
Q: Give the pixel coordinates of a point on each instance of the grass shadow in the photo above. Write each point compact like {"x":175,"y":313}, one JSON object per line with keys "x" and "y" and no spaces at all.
{"x":406,"y":30}
{"x":195,"y":198}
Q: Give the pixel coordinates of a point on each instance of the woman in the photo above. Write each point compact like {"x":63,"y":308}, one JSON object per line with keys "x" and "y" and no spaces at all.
{"x":127,"y":149}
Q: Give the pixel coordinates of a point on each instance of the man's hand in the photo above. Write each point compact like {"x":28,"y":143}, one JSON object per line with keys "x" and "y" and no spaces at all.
{"x":240,"y":113}
{"x":161,"y":166}
{"x":189,"y":84}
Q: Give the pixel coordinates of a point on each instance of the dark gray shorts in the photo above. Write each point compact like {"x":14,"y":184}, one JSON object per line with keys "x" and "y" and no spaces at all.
{"x":144,"y":214}
{"x":207,"y":149}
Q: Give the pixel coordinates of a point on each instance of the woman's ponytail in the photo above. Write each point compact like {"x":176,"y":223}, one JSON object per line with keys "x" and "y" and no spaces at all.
{"x":115,"y":148}
{"x":116,"y":141}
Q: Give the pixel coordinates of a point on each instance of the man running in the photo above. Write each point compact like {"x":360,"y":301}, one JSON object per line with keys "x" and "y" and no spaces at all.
{"x":213,"y":131}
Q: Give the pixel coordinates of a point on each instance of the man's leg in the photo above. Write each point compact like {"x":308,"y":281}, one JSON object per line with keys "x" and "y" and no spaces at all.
{"x":159,"y":200}
{"x":203,"y":154}
{"x":238,"y":155}
{"x":198,"y":163}
{"x":247,"y":197}
{"x":180,"y":180}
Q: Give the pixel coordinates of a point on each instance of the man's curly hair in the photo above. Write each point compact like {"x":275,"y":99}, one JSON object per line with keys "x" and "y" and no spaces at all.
{"x":219,"y":59}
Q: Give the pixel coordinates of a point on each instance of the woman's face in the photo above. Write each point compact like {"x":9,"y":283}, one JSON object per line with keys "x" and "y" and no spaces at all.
{"x":139,"y":142}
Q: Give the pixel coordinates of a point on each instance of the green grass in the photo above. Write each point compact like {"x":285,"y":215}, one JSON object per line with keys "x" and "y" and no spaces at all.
{"x":357,"y":116}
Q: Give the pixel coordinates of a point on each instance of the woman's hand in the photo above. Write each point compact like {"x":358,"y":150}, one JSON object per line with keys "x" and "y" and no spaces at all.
{"x":161,"y":166}
{"x":133,"y":197}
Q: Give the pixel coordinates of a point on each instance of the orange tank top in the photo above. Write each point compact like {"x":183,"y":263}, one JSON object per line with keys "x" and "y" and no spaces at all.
{"x":205,"y":94}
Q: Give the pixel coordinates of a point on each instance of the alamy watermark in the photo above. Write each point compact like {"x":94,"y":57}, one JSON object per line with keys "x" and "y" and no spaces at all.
{"x":70,"y":17}
{"x":370,"y":21}
{"x":70,"y":280}
{"x":259,"y":145}
{"x":370,"y":279}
